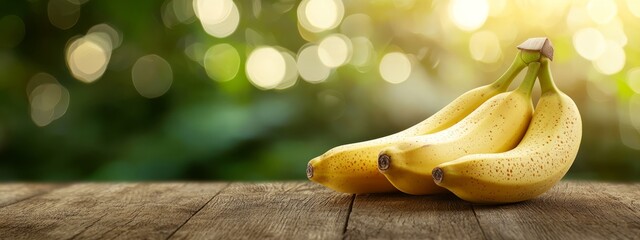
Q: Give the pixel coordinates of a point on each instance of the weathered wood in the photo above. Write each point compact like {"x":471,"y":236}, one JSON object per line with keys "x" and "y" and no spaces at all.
{"x":303,"y":210}
{"x":571,"y":210}
{"x":293,"y":210}
{"x":401,"y":216}
{"x":93,"y":210}
{"x":14,"y":192}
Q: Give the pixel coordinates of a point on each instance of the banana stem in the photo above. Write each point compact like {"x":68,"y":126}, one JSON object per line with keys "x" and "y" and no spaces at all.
{"x":516,"y":67}
{"x":530,"y":79}
{"x":546,"y":79}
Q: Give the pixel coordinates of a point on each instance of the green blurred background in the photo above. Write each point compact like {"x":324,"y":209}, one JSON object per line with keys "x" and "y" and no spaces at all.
{"x":251,"y":90}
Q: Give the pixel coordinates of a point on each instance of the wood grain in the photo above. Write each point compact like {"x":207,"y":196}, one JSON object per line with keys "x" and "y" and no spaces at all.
{"x":290,"y":210}
{"x":97,"y":211}
{"x":14,"y":192}
{"x":571,"y":210}
{"x":304,"y":210}
{"x":401,"y":216}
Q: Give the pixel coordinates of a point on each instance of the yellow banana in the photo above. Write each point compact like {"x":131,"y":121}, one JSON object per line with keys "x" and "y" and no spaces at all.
{"x":540,"y":160}
{"x":496,"y":126}
{"x":352,"y":168}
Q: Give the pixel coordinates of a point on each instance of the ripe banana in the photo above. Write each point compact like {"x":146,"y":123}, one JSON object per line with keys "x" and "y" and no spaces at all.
{"x":496,"y":126}
{"x":352,"y":168}
{"x":542,"y":158}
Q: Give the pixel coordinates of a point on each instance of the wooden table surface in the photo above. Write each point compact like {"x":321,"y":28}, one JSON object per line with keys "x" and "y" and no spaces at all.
{"x":304,"y":210}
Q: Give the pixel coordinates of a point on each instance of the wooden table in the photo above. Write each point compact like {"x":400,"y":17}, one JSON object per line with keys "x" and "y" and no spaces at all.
{"x":303,"y":210}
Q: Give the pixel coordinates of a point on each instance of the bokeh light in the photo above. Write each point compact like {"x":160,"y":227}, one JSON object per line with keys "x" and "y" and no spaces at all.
{"x":589,"y":43}
{"x":266,"y":67}
{"x":320,"y":15}
{"x":468,"y":15}
{"x":48,"y":99}
{"x":395,"y":67}
{"x":485,"y":47}
{"x":152,"y":76}
{"x":614,"y":30}
{"x":176,"y":12}
{"x":87,"y":57}
{"x":219,"y":18}
{"x":222,"y":62}
{"x":363,"y":53}
{"x":310,"y":67}
{"x":634,"y":111}
{"x":12,"y":30}
{"x":357,"y":25}
{"x":633,"y":79}
{"x":63,"y":14}
{"x":634,"y":7}
{"x":291,"y":72}
{"x":602,"y":11}
{"x":612,"y":60}
{"x":114,"y":36}
{"x":335,"y":50}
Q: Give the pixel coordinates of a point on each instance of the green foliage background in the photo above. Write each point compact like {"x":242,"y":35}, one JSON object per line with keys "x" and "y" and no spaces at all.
{"x":202,"y":129}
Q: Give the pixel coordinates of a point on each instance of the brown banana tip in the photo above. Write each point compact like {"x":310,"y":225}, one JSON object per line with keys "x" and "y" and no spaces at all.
{"x":437,"y":174}
{"x":309,"y":170}
{"x":384,"y":161}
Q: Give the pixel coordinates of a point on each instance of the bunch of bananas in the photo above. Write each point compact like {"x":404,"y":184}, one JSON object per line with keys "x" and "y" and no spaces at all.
{"x":487,"y":146}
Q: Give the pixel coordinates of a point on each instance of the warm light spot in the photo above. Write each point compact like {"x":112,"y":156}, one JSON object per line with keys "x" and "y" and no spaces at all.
{"x":310,"y":66}
{"x":219,"y":18}
{"x":222,"y":62}
{"x":291,"y":73}
{"x":114,"y":35}
{"x":468,"y":15}
{"x":335,"y":50}
{"x":48,"y":99}
{"x":266,"y":67}
{"x":320,"y":15}
{"x":578,"y":18}
{"x":485,"y":47}
{"x":212,"y":11}
{"x":357,"y":25}
{"x":395,"y":67}
{"x":152,"y":76}
{"x":589,"y":43}
{"x":12,"y":30}
{"x":614,"y":30}
{"x":183,"y":10}
{"x":196,"y":52}
{"x":63,"y":14}
{"x":612,"y":60}
{"x":87,"y":57}
{"x":633,"y":79}
{"x":602,"y":11}
{"x":497,"y":7}
{"x":634,"y":7}
{"x":363,"y":52}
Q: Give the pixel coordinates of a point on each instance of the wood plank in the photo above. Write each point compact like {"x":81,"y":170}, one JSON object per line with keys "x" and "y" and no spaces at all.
{"x":401,"y":216}
{"x":14,"y":192}
{"x":97,"y":210}
{"x":290,"y":210}
{"x":571,"y":210}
